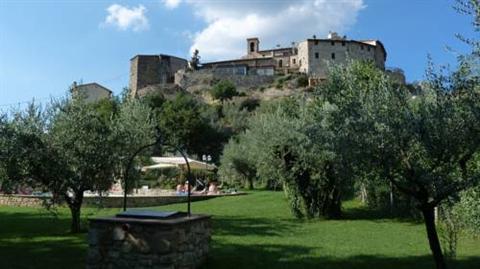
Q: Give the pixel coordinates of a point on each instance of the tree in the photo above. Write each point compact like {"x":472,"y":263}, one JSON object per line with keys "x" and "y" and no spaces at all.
{"x":427,"y":145}
{"x":72,"y":147}
{"x":182,"y":123}
{"x":237,"y":164}
{"x":6,"y":147}
{"x":133,"y":127}
{"x":223,"y":90}
{"x":470,"y":8}
{"x":65,"y":150}
{"x":288,"y":146}
{"x":468,"y":209}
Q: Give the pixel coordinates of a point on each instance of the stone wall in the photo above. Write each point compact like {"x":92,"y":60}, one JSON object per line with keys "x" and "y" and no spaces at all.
{"x":148,"y":70}
{"x":205,"y":79}
{"x":109,"y":201}
{"x":177,"y":243}
{"x":22,"y":200}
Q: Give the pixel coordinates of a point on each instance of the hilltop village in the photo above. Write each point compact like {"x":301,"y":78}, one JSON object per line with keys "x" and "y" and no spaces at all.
{"x":257,"y":69}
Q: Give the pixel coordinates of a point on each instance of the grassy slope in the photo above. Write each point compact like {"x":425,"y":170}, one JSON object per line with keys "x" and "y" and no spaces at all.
{"x":252,"y":231}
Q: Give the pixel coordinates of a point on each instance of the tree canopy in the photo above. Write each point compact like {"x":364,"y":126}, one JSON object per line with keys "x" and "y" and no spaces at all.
{"x":71,"y":147}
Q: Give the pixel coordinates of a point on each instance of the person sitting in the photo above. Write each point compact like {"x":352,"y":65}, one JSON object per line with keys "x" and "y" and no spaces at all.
{"x":180,"y":190}
{"x":213,"y":189}
{"x":185,"y":187}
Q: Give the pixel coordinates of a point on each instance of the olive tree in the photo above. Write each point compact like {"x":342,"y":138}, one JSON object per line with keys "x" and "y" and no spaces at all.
{"x":6,"y":138}
{"x":238,"y":164}
{"x":65,"y":149}
{"x":72,"y":147}
{"x":468,"y":210}
{"x":133,"y":127}
{"x":289,"y":143}
{"x":426,"y":145}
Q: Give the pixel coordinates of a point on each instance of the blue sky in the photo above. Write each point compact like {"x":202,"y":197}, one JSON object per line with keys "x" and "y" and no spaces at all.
{"x":46,"y":45}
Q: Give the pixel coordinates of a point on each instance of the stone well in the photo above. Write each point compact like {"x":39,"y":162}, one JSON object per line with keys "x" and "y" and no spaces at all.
{"x":174,"y":242}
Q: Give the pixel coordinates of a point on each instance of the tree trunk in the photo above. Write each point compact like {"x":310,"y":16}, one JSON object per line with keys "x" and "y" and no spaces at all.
{"x":250,"y":184}
{"x":335,"y":210}
{"x":428,"y":215}
{"x":75,"y":226}
{"x":75,"y":206}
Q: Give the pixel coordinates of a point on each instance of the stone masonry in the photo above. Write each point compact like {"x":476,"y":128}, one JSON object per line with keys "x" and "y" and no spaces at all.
{"x":148,"y":70}
{"x":177,"y":243}
{"x":108,"y":201}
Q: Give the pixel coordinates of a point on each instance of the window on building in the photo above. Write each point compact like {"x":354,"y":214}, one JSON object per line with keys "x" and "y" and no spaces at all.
{"x":333,"y":43}
{"x":368,"y":48}
{"x":361,"y":47}
{"x":252,"y":46}
{"x":343,"y":43}
{"x":316,"y":42}
{"x":294,"y":61}
{"x":280,"y":63}
{"x":333,"y":56}
{"x":316,"y":55}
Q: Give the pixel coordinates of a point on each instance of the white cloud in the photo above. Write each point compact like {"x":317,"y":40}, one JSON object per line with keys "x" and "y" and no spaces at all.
{"x":170,"y":4}
{"x":274,"y":22}
{"x":124,"y":18}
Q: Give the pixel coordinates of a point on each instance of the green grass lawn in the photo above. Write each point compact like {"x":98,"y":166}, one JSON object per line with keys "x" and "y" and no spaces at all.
{"x":250,"y":231}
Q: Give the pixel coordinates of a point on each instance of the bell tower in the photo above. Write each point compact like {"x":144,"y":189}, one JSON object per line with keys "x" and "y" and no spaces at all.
{"x":252,"y":45}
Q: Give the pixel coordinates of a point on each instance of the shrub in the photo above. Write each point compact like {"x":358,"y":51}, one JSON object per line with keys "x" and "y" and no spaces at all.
{"x":223,"y":90}
{"x":302,"y":81}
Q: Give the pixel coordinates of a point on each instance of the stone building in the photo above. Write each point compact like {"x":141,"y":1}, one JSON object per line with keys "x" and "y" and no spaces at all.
{"x":311,"y":56}
{"x":314,"y":55}
{"x":92,"y":92}
{"x":146,"y":70}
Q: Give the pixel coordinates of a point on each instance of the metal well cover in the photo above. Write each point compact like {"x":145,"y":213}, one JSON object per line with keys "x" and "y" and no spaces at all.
{"x":147,"y":214}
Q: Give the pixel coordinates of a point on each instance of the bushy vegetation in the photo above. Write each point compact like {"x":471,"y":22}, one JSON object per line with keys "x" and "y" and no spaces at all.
{"x":302,"y":81}
{"x":223,"y":90}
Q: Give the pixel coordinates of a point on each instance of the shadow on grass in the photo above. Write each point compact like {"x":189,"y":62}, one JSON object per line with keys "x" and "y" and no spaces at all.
{"x":365,"y":213}
{"x":237,"y":226}
{"x":298,"y":257}
{"x":44,"y":252}
{"x":36,"y":223}
{"x":36,"y":239}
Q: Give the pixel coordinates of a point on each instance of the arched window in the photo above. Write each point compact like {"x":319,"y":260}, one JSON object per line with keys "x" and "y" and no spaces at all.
{"x":280,"y":63}
{"x":252,"y":46}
